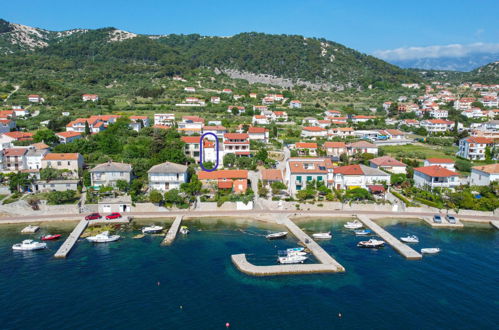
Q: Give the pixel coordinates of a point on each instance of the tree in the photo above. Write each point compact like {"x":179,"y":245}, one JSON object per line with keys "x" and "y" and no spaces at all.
{"x":87,"y":129}
{"x":155,"y":197}
{"x":262,"y":155}
{"x":122,"y":185}
{"x":463,"y":165}
{"x":277,"y":186}
{"x":262,"y":190}
{"x":208,"y":165}
{"x":45,"y":135}
{"x":173,"y":197}
{"x":358,"y":194}
{"x":61,"y":197}
{"x":50,"y":173}
{"x":19,"y":181}
{"x":229,"y":160}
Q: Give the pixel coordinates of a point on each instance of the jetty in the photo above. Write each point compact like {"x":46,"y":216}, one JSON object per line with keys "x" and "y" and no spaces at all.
{"x":444,"y":223}
{"x":495,"y":224}
{"x":400,"y":247}
{"x":172,"y":232}
{"x":327,"y":264}
{"x":71,"y":240}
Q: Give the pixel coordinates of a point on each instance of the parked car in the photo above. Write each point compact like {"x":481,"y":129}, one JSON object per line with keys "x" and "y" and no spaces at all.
{"x":451,"y":219}
{"x":437,"y":218}
{"x":93,"y":216}
{"x":114,"y":215}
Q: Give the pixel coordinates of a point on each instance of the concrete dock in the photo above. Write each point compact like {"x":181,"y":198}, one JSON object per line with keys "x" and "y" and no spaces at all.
{"x":400,"y":247}
{"x":444,"y":224}
{"x":495,"y":224}
{"x":327,"y":263}
{"x":172,"y":232}
{"x":71,"y":240}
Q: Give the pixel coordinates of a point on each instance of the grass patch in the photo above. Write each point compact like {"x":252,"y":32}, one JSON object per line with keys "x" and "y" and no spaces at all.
{"x":420,"y":151}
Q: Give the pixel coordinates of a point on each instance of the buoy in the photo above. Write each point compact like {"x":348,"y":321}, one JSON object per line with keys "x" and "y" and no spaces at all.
{"x":339,"y":315}
{"x":227,"y":324}
{"x":181,"y":307}
{"x":159,"y":283}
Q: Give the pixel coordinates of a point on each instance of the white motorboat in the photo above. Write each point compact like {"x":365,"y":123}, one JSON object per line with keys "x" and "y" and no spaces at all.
{"x":322,"y":235}
{"x":410,"y":239}
{"x":30,"y":229}
{"x":296,"y":253}
{"x":297,"y":249}
{"x":372,"y":243}
{"x":103,"y":237}
{"x":281,"y":234}
{"x":294,"y":259}
{"x":430,"y":250}
{"x":363,"y":232}
{"x":184,"y":230}
{"x":353,"y":224}
{"x":29,"y":245}
{"x":152,"y":229}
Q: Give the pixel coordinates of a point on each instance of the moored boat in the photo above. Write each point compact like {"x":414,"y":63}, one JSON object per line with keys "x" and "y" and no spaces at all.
{"x":363,"y":232}
{"x":410,"y":239}
{"x":29,"y":245}
{"x":297,"y":249}
{"x":372,"y":243}
{"x":285,"y":253}
{"x":294,"y":259}
{"x":103,"y":237}
{"x":430,"y":250}
{"x":184,"y":230}
{"x":278,"y":235}
{"x":50,"y":237}
{"x":151,"y":229}
{"x":322,"y":235}
{"x":356,"y":224}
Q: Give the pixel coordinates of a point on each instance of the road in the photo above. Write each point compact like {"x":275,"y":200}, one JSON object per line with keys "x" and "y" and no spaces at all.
{"x":250,"y":213}
{"x":16,"y":88}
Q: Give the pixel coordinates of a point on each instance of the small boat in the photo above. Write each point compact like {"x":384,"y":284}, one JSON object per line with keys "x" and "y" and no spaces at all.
{"x":410,"y":239}
{"x":353,"y":224}
{"x":103,"y":237}
{"x":294,"y":259}
{"x":49,"y":237}
{"x":322,"y":235}
{"x":281,"y":234}
{"x":372,"y":243}
{"x":152,"y":229}
{"x":430,"y":250}
{"x":285,"y":253}
{"x":30,"y":229}
{"x":184,"y":230}
{"x":363,"y":232}
{"x":29,"y":245}
{"x":297,"y":249}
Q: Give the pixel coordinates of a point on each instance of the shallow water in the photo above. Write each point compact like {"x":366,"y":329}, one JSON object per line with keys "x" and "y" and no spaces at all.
{"x":192,"y":284}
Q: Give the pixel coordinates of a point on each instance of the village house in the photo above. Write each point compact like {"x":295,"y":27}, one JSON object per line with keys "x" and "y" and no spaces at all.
{"x":269,"y":176}
{"x":310,"y":121}
{"x":324,"y":123}
{"x":68,"y":136}
{"x":430,"y":177}
{"x":362,"y":119}
{"x":34,"y":98}
{"x":191,"y":148}
{"x":332,"y":113}
{"x":484,"y":175}
{"x":139,"y":122}
{"x":71,"y":162}
{"x":260,"y":108}
{"x":164,"y":119}
{"x":474,"y":148}
{"x":279,"y":116}
{"x":191,"y":125}
{"x":218,"y":130}
{"x":55,"y":185}
{"x":442,"y":162}
{"x":166,"y":176}
{"x":90,"y":97}
{"x":474,"y":113}
{"x":335,"y":149}
{"x":259,"y":120}
{"x":439,"y":113}
{"x":306,"y":148}
{"x":389,"y":164}
{"x":295,"y":104}
{"x":7,"y":125}
{"x":313,"y":132}
{"x":253,"y":95}
{"x":215,"y":99}
{"x":464,"y":103}
{"x":236,"y":108}
{"x":301,"y":171}
{"x":258,"y":134}
{"x":359,"y":176}
{"x":362,"y":147}
{"x":237,"y":143}
{"x":14,"y":159}
{"x":108,"y":174}
{"x":438,"y":125}
{"x":34,"y":158}
{"x":189,"y":89}
{"x":268,"y":101}
{"x":7,"y":139}
{"x":342,"y":132}
{"x":236,"y":180}
{"x":490,"y":101}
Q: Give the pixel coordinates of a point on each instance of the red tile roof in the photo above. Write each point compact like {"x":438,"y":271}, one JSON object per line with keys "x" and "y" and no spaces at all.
{"x":386,"y":161}
{"x":236,"y":136}
{"x":61,"y":156}
{"x":349,"y":170}
{"x":19,"y":135}
{"x":335,"y":145}
{"x":440,"y":160}
{"x":313,"y":129}
{"x":306,"y":145}
{"x":223,"y":174}
{"x":191,"y":139}
{"x":13,"y":152}
{"x":271,"y":175}
{"x":257,"y":129}
{"x":436,"y":171}
{"x":68,"y":134}
{"x":491,"y":169}
{"x":480,"y":140}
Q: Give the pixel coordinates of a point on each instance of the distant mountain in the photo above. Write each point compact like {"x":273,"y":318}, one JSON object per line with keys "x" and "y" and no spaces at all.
{"x":465,"y":63}
{"x":487,"y":74}
{"x":293,"y":58}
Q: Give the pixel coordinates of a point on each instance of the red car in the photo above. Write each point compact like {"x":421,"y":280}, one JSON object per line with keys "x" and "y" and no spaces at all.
{"x":114,"y":215}
{"x":93,"y":216}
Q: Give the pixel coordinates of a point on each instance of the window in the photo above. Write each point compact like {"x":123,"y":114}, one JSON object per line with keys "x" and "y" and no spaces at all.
{"x":298,"y":178}
{"x":58,"y":163}
{"x":319,"y":178}
{"x":309,"y":178}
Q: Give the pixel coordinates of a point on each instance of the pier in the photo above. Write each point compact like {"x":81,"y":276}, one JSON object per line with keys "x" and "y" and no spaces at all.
{"x":400,"y":247}
{"x":495,"y":224}
{"x":326,"y":263}
{"x":172,"y":232}
{"x":444,"y":224}
{"x":71,"y":240}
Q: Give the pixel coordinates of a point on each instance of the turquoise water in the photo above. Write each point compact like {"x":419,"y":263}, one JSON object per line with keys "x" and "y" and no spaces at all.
{"x":116,"y":285}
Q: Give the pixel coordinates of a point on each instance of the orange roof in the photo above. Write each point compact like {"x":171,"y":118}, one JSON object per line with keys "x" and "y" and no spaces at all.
{"x":257,"y":129}
{"x":224,"y":184}
{"x":271,"y":175}
{"x":195,"y":119}
{"x":314,"y":129}
{"x":491,"y":169}
{"x":480,"y":140}
{"x":68,"y":134}
{"x":61,"y":156}
{"x":387,"y":161}
{"x":191,"y":139}
{"x":260,"y":117}
{"x":306,"y":145}
{"x":394,"y":132}
{"x":319,"y":166}
{"x":436,"y":171}
{"x":214,"y":128}
{"x":138,"y":117}
{"x":240,"y":186}
{"x":19,"y":135}
{"x":349,"y":170}
{"x":223,"y":174}
{"x":236,"y":136}
{"x":440,"y":121}
{"x":13,"y":152}
{"x":440,"y":160}
{"x":335,"y":145}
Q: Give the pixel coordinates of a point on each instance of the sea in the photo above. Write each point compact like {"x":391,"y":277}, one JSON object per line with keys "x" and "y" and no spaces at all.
{"x":136,"y":283}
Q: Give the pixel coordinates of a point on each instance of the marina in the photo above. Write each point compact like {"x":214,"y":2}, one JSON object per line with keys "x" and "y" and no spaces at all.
{"x":172,"y":232}
{"x":400,"y":247}
{"x":69,"y":243}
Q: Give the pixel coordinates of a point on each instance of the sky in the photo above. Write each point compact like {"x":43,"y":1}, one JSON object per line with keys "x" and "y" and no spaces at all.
{"x":390,"y":29}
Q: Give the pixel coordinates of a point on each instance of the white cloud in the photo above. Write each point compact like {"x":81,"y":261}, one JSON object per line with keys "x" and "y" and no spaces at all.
{"x":455,"y":50}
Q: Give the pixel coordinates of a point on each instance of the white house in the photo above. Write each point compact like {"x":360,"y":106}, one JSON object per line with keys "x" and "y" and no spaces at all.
{"x":259,"y":120}
{"x":90,"y":97}
{"x":439,"y":113}
{"x":258,"y":133}
{"x":164,"y":119}
{"x":68,"y":136}
{"x":484,"y":175}
{"x":215,"y":99}
{"x":167,"y":176}
{"x":295,"y":104}
{"x":358,"y":176}
{"x":139,"y":122}
{"x":438,"y":125}
{"x":335,"y":149}
{"x":301,"y":171}
{"x":435,"y":177}
{"x":34,"y":98}
{"x":362,"y":147}
{"x":389,"y":164}
{"x":306,"y":148}
{"x":313,"y":132}
{"x":474,"y":147}
{"x":34,"y":158}
{"x":442,"y":162}
{"x":108,"y":174}
{"x":218,"y":130}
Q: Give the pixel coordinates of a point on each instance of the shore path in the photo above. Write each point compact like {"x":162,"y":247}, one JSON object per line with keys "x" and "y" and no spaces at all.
{"x":251,"y":213}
